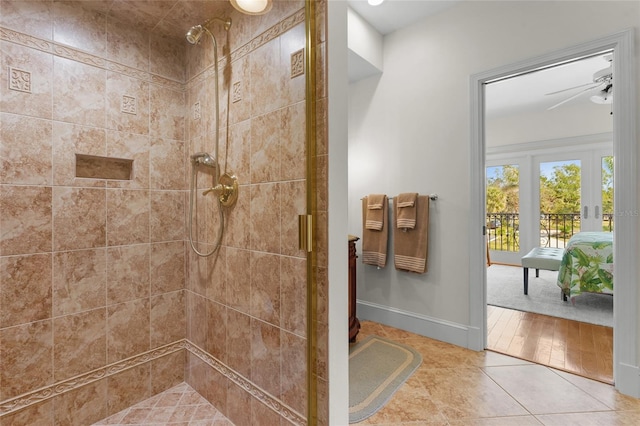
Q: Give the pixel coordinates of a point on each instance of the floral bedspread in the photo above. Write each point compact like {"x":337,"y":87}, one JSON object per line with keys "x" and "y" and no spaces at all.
{"x":587,"y":264}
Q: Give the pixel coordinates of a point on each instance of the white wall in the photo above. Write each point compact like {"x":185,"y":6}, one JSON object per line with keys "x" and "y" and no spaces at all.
{"x":409,"y":131}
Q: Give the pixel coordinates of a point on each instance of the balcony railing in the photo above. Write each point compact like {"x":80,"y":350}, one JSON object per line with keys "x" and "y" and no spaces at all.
{"x":503,"y":229}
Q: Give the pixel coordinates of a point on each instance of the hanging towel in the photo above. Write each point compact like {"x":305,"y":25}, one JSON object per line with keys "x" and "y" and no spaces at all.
{"x":374,"y":243}
{"x":406,"y":212}
{"x":410,"y":246}
{"x":374,"y":212}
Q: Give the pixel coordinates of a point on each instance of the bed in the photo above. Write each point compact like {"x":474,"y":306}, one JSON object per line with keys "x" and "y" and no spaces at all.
{"x":587,"y":264}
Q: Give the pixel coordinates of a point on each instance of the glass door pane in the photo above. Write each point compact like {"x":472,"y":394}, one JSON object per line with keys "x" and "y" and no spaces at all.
{"x":503,"y":210}
{"x":560,"y":201}
{"x":607,"y":193}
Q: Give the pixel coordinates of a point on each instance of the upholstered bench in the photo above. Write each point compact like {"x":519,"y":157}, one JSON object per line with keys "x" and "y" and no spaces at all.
{"x":545,"y":258}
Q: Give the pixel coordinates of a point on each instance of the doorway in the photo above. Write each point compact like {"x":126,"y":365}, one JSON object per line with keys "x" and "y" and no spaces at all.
{"x":623,"y":134}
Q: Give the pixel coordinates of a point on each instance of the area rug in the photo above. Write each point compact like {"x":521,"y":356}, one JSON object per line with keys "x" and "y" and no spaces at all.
{"x":377,"y":369}
{"x":505,"y":289}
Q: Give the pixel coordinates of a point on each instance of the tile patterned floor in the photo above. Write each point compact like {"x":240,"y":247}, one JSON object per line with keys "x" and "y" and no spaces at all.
{"x":180,"y":405}
{"x":453,"y":386}
{"x":456,"y":386}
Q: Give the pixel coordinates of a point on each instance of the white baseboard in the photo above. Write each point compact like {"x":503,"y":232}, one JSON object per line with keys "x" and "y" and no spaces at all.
{"x":628,"y":379}
{"x":456,"y":334}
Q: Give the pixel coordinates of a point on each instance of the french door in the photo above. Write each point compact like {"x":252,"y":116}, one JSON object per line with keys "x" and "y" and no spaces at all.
{"x":573,"y":193}
{"x":542,"y":199}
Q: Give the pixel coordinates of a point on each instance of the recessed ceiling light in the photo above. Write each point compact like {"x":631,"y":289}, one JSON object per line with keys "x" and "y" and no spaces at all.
{"x":374,"y":2}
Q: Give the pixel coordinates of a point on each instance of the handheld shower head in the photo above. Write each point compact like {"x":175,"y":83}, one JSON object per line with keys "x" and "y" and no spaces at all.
{"x":204,"y":159}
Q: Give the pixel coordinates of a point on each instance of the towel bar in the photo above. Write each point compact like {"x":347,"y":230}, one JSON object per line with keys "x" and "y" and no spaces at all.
{"x":432,"y":197}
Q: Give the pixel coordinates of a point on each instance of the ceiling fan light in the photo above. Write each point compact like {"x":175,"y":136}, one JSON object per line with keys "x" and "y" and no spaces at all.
{"x":252,"y":7}
{"x":602,"y":98}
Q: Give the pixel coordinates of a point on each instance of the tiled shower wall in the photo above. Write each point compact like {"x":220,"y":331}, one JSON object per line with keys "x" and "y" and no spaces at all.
{"x":247,"y":303}
{"x":91,"y":270}
{"x":98,"y":286}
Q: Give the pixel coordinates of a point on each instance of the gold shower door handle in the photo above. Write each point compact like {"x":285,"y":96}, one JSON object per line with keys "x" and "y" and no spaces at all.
{"x":305,"y":232}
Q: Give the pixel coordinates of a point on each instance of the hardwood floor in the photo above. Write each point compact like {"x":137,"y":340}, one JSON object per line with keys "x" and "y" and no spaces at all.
{"x":576,"y":347}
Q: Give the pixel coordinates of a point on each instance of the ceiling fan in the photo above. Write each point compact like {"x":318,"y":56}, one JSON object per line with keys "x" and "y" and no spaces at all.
{"x":602,"y":85}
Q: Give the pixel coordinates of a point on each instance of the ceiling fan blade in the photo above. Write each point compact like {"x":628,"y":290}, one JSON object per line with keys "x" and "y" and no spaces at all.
{"x":572,"y":97}
{"x":574,"y":87}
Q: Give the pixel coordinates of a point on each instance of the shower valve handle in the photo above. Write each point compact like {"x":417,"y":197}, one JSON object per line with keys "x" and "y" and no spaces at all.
{"x":226,"y":190}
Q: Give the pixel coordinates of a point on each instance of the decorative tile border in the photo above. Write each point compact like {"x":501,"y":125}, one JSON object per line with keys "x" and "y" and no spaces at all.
{"x":270,"y":401}
{"x":51,"y":391}
{"x":85,"y":58}
{"x":48,"y":392}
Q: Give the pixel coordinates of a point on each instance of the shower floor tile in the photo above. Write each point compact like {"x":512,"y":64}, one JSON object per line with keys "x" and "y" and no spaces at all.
{"x":180,"y":405}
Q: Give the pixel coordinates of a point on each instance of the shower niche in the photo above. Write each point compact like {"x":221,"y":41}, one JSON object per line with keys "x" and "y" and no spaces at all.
{"x":95,"y":167}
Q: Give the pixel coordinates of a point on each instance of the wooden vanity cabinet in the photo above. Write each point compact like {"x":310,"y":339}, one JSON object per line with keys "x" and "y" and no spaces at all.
{"x":354,"y":323}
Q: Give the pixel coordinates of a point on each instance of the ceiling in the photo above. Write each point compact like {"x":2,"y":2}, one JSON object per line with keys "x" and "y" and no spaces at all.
{"x":392,"y":15}
{"x":169,"y":17}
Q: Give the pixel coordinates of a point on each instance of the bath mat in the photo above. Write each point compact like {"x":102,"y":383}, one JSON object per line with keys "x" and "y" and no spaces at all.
{"x":377,"y":369}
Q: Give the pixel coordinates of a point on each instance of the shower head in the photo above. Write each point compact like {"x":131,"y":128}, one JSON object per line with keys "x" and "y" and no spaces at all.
{"x":204,"y":159}
{"x":195,"y":33}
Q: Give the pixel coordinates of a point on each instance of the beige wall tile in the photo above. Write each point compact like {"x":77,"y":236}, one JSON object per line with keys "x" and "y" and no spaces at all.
{"x":127,"y":104}
{"x":239,"y":342}
{"x":25,"y":289}
{"x":71,"y":204}
{"x":128,"y":387}
{"x":127,"y":273}
{"x":266,"y":147}
{"x":168,"y":319}
{"x":216,"y":288}
{"x":28,"y":17}
{"x":167,"y":267}
{"x":293,"y":145}
{"x":127,"y":45}
{"x":39,"y":65}
{"x":26,"y":225}
{"x":265,"y":287}
{"x":83,"y":406}
{"x":79,"y":281}
{"x":167,"y":164}
{"x":265,"y":218}
{"x":127,"y":216}
{"x":239,"y":279}
{"x":167,"y":57}
{"x":69,"y":140}
{"x":127,"y":329}
{"x":167,"y":113}
{"x":239,"y":405}
{"x":238,"y":89}
{"x":20,"y":373}
{"x":265,"y":354}
{"x":167,"y":215}
{"x":237,"y":226}
{"x":80,"y":28}
{"x":216,"y":342}
{"x":216,"y":392}
{"x":25,"y":150}
{"x":79,"y":343}
{"x":167,"y":371}
{"x":294,"y":371}
{"x":79,"y":93}
{"x":261,"y":414}
{"x":37,"y":414}
{"x":197,"y":324}
{"x":132,"y":147}
{"x":293,"y":290}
